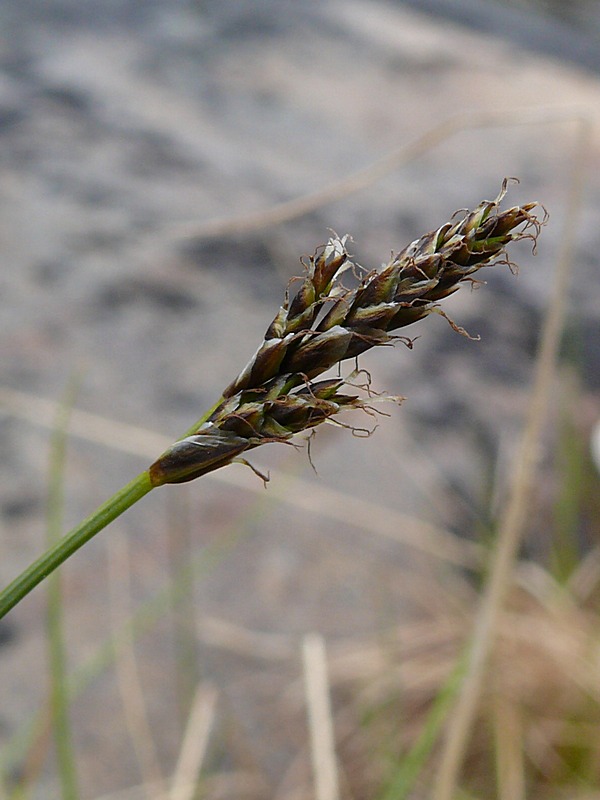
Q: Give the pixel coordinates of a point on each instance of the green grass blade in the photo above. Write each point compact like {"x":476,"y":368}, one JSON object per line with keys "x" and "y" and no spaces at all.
{"x":72,"y":541}
{"x":80,"y":535}
{"x":413,"y":763}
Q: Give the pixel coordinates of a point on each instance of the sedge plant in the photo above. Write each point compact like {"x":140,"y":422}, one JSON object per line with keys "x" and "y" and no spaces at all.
{"x":321,"y":323}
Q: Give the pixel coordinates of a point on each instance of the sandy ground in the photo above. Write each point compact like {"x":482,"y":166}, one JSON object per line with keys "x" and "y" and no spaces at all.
{"x":125,"y":129}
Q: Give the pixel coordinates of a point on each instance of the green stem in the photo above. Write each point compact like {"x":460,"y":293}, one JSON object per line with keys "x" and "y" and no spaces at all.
{"x":80,"y":535}
{"x":72,"y":541}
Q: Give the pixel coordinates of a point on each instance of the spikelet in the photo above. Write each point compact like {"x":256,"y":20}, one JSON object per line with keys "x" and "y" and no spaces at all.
{"x":322,"y":324}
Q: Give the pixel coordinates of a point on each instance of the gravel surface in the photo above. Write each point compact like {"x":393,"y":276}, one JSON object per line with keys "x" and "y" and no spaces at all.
{"x":124,"y":128}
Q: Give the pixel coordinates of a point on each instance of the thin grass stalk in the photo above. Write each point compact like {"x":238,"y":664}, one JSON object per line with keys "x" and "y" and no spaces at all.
{"x":413,"y":763}
{"x":508,"y":735}
{"x":116,"y":505}
{"x":368,"y":176}
{"x":573,"y":467}
{"x":195,"y":744}
{"x":320,"y":718}
{"x":130,"y":689}
{"x":514,"y":520}
{"x":69,"y":544}
{"x":59,"y":700}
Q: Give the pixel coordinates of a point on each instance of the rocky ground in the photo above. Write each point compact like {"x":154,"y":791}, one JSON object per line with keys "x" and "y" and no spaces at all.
{"x":125,"y":128}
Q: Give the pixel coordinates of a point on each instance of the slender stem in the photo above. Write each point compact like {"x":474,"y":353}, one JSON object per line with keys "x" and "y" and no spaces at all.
{"x":80,"y":535}
{"x":72,"y":541}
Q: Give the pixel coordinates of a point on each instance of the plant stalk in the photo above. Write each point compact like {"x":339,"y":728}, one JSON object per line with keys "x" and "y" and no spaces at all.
{"x":72,"y":541}
{"x":81,"y":534}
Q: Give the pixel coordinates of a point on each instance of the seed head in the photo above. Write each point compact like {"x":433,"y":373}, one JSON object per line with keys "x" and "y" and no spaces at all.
{"x":323,"y":323}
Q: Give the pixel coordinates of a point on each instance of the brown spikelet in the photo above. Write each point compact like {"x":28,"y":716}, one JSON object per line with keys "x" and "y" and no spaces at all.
{"x":323,"y":324}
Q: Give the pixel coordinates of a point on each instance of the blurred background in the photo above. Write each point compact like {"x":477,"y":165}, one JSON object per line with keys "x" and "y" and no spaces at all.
{"x":143,"y":146}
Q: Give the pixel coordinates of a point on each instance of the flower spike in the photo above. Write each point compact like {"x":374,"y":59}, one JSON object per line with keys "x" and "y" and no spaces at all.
{"x":322,"y":324}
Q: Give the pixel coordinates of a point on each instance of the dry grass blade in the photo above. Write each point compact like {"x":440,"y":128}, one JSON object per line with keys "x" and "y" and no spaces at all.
{"x":320,"y":718}
{"x":132,"y":696}
{"x":194,"y":745}
{"x":123,"y":438}
{"x":515,"y":517}
{"x":510,"y":769}
{"x":293,"y":209}
{"x":377,"y":519}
